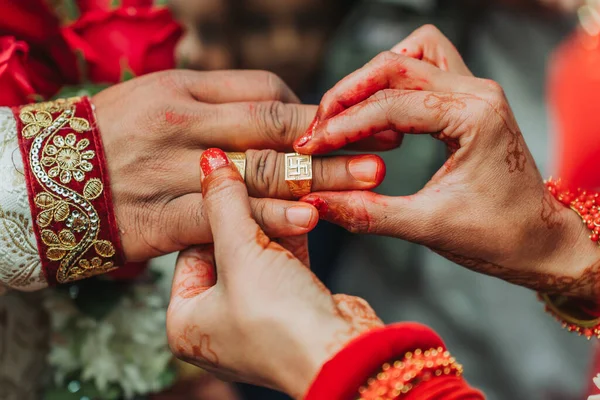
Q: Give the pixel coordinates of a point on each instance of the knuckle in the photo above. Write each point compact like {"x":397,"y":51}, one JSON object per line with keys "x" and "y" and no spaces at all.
{"x":276,"y":119}
{"x":387,"y":57}
{"x":263,"y":168}
{"x":429,"y":31}
{"x":275,"y":84}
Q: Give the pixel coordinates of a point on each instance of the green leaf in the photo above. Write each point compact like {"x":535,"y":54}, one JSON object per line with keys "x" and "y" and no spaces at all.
{"x":126,"y":71}
{"x":71,"y":9}
{"x":115,"y":4}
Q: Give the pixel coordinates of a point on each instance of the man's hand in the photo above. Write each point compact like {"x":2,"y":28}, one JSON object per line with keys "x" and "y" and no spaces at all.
{"x":487,"y":207}
{"x":155,"y":127}
{"x":250,"y":309}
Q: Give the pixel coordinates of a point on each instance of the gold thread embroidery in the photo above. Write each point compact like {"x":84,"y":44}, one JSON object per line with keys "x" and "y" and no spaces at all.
{"x":55,"y":161}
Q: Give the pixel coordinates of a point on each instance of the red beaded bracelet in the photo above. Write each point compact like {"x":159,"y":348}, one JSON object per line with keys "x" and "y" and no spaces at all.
{"x":585,"y":204}
{"x":402,"y":376}
{"x":574,"y":314}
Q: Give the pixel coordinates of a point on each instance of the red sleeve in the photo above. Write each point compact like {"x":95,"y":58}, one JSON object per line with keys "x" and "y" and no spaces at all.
{"x":400,"y":348}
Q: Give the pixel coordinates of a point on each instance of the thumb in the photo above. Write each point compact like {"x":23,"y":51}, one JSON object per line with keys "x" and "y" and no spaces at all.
{"x":227,"y":205}
{"x":409,"y":217}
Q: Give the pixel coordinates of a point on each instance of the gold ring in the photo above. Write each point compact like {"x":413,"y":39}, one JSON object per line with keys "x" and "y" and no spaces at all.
{"x":239,"y":160}
{"x":298,"y":174}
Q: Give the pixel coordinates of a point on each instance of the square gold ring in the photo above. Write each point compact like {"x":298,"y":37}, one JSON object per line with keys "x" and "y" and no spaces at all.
{"x":298,"y":174}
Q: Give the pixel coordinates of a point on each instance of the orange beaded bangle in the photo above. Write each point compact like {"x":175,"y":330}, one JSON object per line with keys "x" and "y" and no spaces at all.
{"x":574,"y":315}
{"x":585,"y":204}
{"x":402,"y":376}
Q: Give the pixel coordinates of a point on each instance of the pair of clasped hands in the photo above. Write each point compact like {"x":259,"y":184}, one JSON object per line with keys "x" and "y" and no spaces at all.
{"x":248,"y":308}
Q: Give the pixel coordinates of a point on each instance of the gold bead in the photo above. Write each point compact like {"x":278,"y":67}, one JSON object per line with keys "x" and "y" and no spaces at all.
{"x":408,"y":355}
{"x":385,"y":366}
{"x":418,"y":352}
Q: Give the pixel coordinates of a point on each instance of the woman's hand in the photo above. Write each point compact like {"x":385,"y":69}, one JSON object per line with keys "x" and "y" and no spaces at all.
{"x":250,"y":309}
{"x":487,"y":207}
{"x":155,"y":127}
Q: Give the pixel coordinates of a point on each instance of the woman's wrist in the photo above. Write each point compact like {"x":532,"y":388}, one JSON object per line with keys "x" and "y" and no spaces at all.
{"x":573,"y":266}
{"x":310,"y":352}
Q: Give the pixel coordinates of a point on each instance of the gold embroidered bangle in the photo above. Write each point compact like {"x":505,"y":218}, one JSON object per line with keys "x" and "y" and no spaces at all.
{"x":400,"y":377}
{"x":69,"y":189}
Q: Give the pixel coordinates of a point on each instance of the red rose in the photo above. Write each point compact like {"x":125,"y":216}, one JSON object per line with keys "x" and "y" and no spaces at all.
{"x":22,"y":80}
{"x":28,"y":20}
{"x":124,"y":41}
{"x":33,"y":22}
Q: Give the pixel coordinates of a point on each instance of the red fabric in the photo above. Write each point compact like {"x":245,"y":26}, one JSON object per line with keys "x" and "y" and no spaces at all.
{"x":341,"y":377}
{"x":103,"y":204}
{"x":129,"y":271}
{"x":595,"y":371}
{"x":574,"y":84}
{"x":123,"y":41}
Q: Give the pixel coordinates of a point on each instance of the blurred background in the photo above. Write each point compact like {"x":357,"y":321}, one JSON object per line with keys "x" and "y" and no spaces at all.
{"x":510,"y":348}
{"x":546,"y":55}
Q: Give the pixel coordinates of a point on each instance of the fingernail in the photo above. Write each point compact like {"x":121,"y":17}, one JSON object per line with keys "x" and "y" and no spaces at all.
{"x":364,"y":169}
{"x":299,"y":216}
{"x":309,"y":133}
{"x":212,"y":159}
{"x":318,"y":203}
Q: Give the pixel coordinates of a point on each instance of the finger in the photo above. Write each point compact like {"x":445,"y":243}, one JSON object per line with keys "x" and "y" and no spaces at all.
{"x":298,"y":246}
{"x":194,"y":273}
{"x":265,"y":173}
{"x":398,"y":110}
{"x":254,"y":125}
{"x":234,"y":86}
{"x":228,"y":208}
{"x":386,"y":71}
{"x":409,"y":218}
{"x":429,"y":44}
{"x":186,"y":220}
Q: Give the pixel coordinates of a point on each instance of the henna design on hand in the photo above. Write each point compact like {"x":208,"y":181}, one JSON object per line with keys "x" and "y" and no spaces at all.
{"x":195,"y":346}
{"x":359,"y":316}
{"x":197,"y":271}
{"x":587,"y":285}
{"x":445,"y":102}
{"x":550,"y":210}
{"x":516,"y":156}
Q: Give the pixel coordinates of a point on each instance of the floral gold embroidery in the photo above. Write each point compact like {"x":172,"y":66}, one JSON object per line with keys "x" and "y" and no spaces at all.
{"x":56,"y":161}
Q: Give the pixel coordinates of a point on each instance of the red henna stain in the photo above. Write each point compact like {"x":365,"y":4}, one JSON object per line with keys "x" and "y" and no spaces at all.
{"x":196,"y":345}
{"x":550,"y":210}
{"x":346,"y":209}
{"x":309,"y":132}
{"x":261,"y":239}
{"x":174,"y":118}
{"x":213,"y":159}
{"x":404,"y":50}
{"x":318,"y":203}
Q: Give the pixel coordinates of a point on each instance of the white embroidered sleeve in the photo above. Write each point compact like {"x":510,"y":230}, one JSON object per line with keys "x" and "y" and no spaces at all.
{"x":20,"y":264}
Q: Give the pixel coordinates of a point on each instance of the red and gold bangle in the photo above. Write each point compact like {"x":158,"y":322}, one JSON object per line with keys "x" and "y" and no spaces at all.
{"x":400,"y":377}
{"x":69,"y":189}
{"x":574,"y":314}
